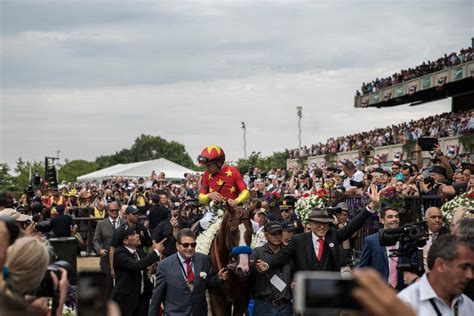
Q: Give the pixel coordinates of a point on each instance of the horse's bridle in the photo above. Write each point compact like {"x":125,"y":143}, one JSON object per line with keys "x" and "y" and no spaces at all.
{"x":216,"y":253}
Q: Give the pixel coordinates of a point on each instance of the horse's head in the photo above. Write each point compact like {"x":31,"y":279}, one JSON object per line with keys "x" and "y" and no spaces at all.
{"x":238,"y":238}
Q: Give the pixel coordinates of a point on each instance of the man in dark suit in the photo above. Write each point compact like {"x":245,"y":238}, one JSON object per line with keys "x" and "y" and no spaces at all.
{"x":132,"y":290}
{"x":182,"y":279}
{"x":103,"y":234}
{"x":320,"y":249}
{"x":376,"y":256}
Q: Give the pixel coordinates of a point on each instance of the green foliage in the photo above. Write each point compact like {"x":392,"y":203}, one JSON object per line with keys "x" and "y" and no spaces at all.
{"x":147,"y":147}
{"x":75,"y":168}
{"x":276,"y":160}
{"x":23,"y":170}
{"x":7,"y":182}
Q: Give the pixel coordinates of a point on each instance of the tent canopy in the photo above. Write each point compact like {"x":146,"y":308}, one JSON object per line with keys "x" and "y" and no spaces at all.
{"x":138,"y":169}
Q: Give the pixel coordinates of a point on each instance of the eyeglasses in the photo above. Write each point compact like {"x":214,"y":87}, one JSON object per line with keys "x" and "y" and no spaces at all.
{"x":285,"y":211}
{"x":187,"y":244}
{"x":113,"y":210}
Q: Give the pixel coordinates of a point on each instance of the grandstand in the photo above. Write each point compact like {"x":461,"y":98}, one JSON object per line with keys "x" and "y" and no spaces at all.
{"x":449,"y":76}
{"x":455,"y":81}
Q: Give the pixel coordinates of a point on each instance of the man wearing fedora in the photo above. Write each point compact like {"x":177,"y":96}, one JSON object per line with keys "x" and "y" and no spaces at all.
{"x":320,"y":249}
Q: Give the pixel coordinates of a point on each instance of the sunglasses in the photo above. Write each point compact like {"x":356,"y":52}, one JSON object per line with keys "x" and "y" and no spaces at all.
{"x":187,"y":244}
{"x":285,"y":211}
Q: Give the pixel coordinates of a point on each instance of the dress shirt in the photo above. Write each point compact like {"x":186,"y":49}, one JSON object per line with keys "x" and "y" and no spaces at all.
{"x":418,"y":296}
{"x":315,"y":243}
{"x":117,"y":222}
{"x":183,"y":264}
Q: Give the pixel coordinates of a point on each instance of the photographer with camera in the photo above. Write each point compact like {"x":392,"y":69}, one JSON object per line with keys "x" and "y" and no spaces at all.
{"x":434,"y":221}
{"x":353,"y":176}
{"x":63,"y":225}
{"x":156,"y":213}
{"x":378,"y":257}
{"x":439,"y":292}
{"x":25,"y":269}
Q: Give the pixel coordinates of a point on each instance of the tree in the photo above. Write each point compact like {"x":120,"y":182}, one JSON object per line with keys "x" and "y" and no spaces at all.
{"x":7,"y":182}
{"x":23,"y":169}
{"x":277,"y":160}
{"x":147,"y":147}
{"x":75,"y":168}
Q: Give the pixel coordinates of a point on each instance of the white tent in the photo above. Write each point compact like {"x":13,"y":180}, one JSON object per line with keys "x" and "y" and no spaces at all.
{"x":138,"y":169}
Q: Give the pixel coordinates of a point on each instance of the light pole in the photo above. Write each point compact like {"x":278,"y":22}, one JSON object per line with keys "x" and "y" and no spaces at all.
{"x":244,"y":128}
{"x":299,"y":113}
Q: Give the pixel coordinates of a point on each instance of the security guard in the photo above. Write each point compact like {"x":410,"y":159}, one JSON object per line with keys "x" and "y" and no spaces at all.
{"x":272,"y":289}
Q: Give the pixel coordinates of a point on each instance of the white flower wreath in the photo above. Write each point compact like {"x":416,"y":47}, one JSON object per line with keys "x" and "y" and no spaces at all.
{"x":204,"y":240}
{"x":461,"y":200}
{"x":304,"y":205}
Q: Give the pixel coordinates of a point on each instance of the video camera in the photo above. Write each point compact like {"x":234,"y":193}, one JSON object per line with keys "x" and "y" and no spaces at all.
{"x":412,"y":238}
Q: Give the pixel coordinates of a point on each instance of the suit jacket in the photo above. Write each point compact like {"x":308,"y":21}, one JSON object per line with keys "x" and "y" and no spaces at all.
{"x":128,"y":277}
{"x":301,"y":247}
{"x":172,"y":290}
{"x":374,"y":255}
{"x":102,"y":237}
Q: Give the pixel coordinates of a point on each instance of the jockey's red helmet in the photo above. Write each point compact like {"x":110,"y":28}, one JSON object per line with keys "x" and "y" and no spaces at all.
{"x":212,"y":153}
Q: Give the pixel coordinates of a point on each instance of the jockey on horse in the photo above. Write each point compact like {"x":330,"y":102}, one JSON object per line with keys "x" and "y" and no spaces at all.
{"x":219,"y":182}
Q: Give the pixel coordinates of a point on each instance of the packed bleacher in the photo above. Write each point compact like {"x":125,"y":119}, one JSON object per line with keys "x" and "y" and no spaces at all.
{"x":442,"y":125}
{"x":118,"y":219}
{"x":446,"y":61}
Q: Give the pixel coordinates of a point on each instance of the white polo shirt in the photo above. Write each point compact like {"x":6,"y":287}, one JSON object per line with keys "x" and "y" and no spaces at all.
{"x":418,"y":296}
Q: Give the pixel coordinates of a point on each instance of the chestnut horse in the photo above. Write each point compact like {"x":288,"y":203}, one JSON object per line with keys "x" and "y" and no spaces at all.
{"x":231,"y":249}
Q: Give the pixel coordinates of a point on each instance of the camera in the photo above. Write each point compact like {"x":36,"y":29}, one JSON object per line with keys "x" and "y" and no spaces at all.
{"x":357,"y":184}
{"x":43,"y":227}
{"x":324,"y":293}
{"x":46,"y":288}
{"x":412,"y":238}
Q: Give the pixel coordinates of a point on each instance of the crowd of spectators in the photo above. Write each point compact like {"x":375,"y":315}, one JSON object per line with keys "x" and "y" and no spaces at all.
{"x":158,"y":209}
{"x":425,"y":68}
{"x":442,"y":125}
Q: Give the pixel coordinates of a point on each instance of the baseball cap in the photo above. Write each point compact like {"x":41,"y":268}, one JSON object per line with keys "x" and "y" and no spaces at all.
{"x":288,"y":226}
{"x":131,"y":210}
{"x":124,"y":231}
{"x":272,"y":227}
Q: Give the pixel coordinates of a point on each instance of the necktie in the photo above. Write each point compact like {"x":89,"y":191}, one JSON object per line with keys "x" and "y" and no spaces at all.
{"x":114,"y":224}
{"x":142,"y":283}
{"x":320,"y":248}
{"x":189,"y":271}
{"x":393,"y":273}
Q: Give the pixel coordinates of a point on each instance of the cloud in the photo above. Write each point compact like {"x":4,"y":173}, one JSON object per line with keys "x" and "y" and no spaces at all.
{"x":88,"y":77}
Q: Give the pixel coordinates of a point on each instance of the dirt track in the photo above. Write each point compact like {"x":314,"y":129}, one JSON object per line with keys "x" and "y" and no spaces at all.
{"x":87,"y":263}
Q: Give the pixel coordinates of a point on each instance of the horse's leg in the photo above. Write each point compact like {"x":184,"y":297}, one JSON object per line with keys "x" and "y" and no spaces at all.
{"x":241,"y":297}
{"x":217,"y":301}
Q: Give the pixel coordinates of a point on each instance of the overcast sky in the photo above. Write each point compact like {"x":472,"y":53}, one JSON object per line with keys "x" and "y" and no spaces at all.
{"x":88,"y":77}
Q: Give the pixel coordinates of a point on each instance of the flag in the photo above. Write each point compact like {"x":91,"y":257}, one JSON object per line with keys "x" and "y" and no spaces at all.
{"x":441,"y":82}
{"x":452,"y":150}
{"x":398,"y":156}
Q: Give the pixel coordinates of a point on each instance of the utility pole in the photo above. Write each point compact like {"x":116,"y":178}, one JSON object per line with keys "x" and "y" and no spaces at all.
{"x":244,"y":128}
{"x":299,"y":113}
